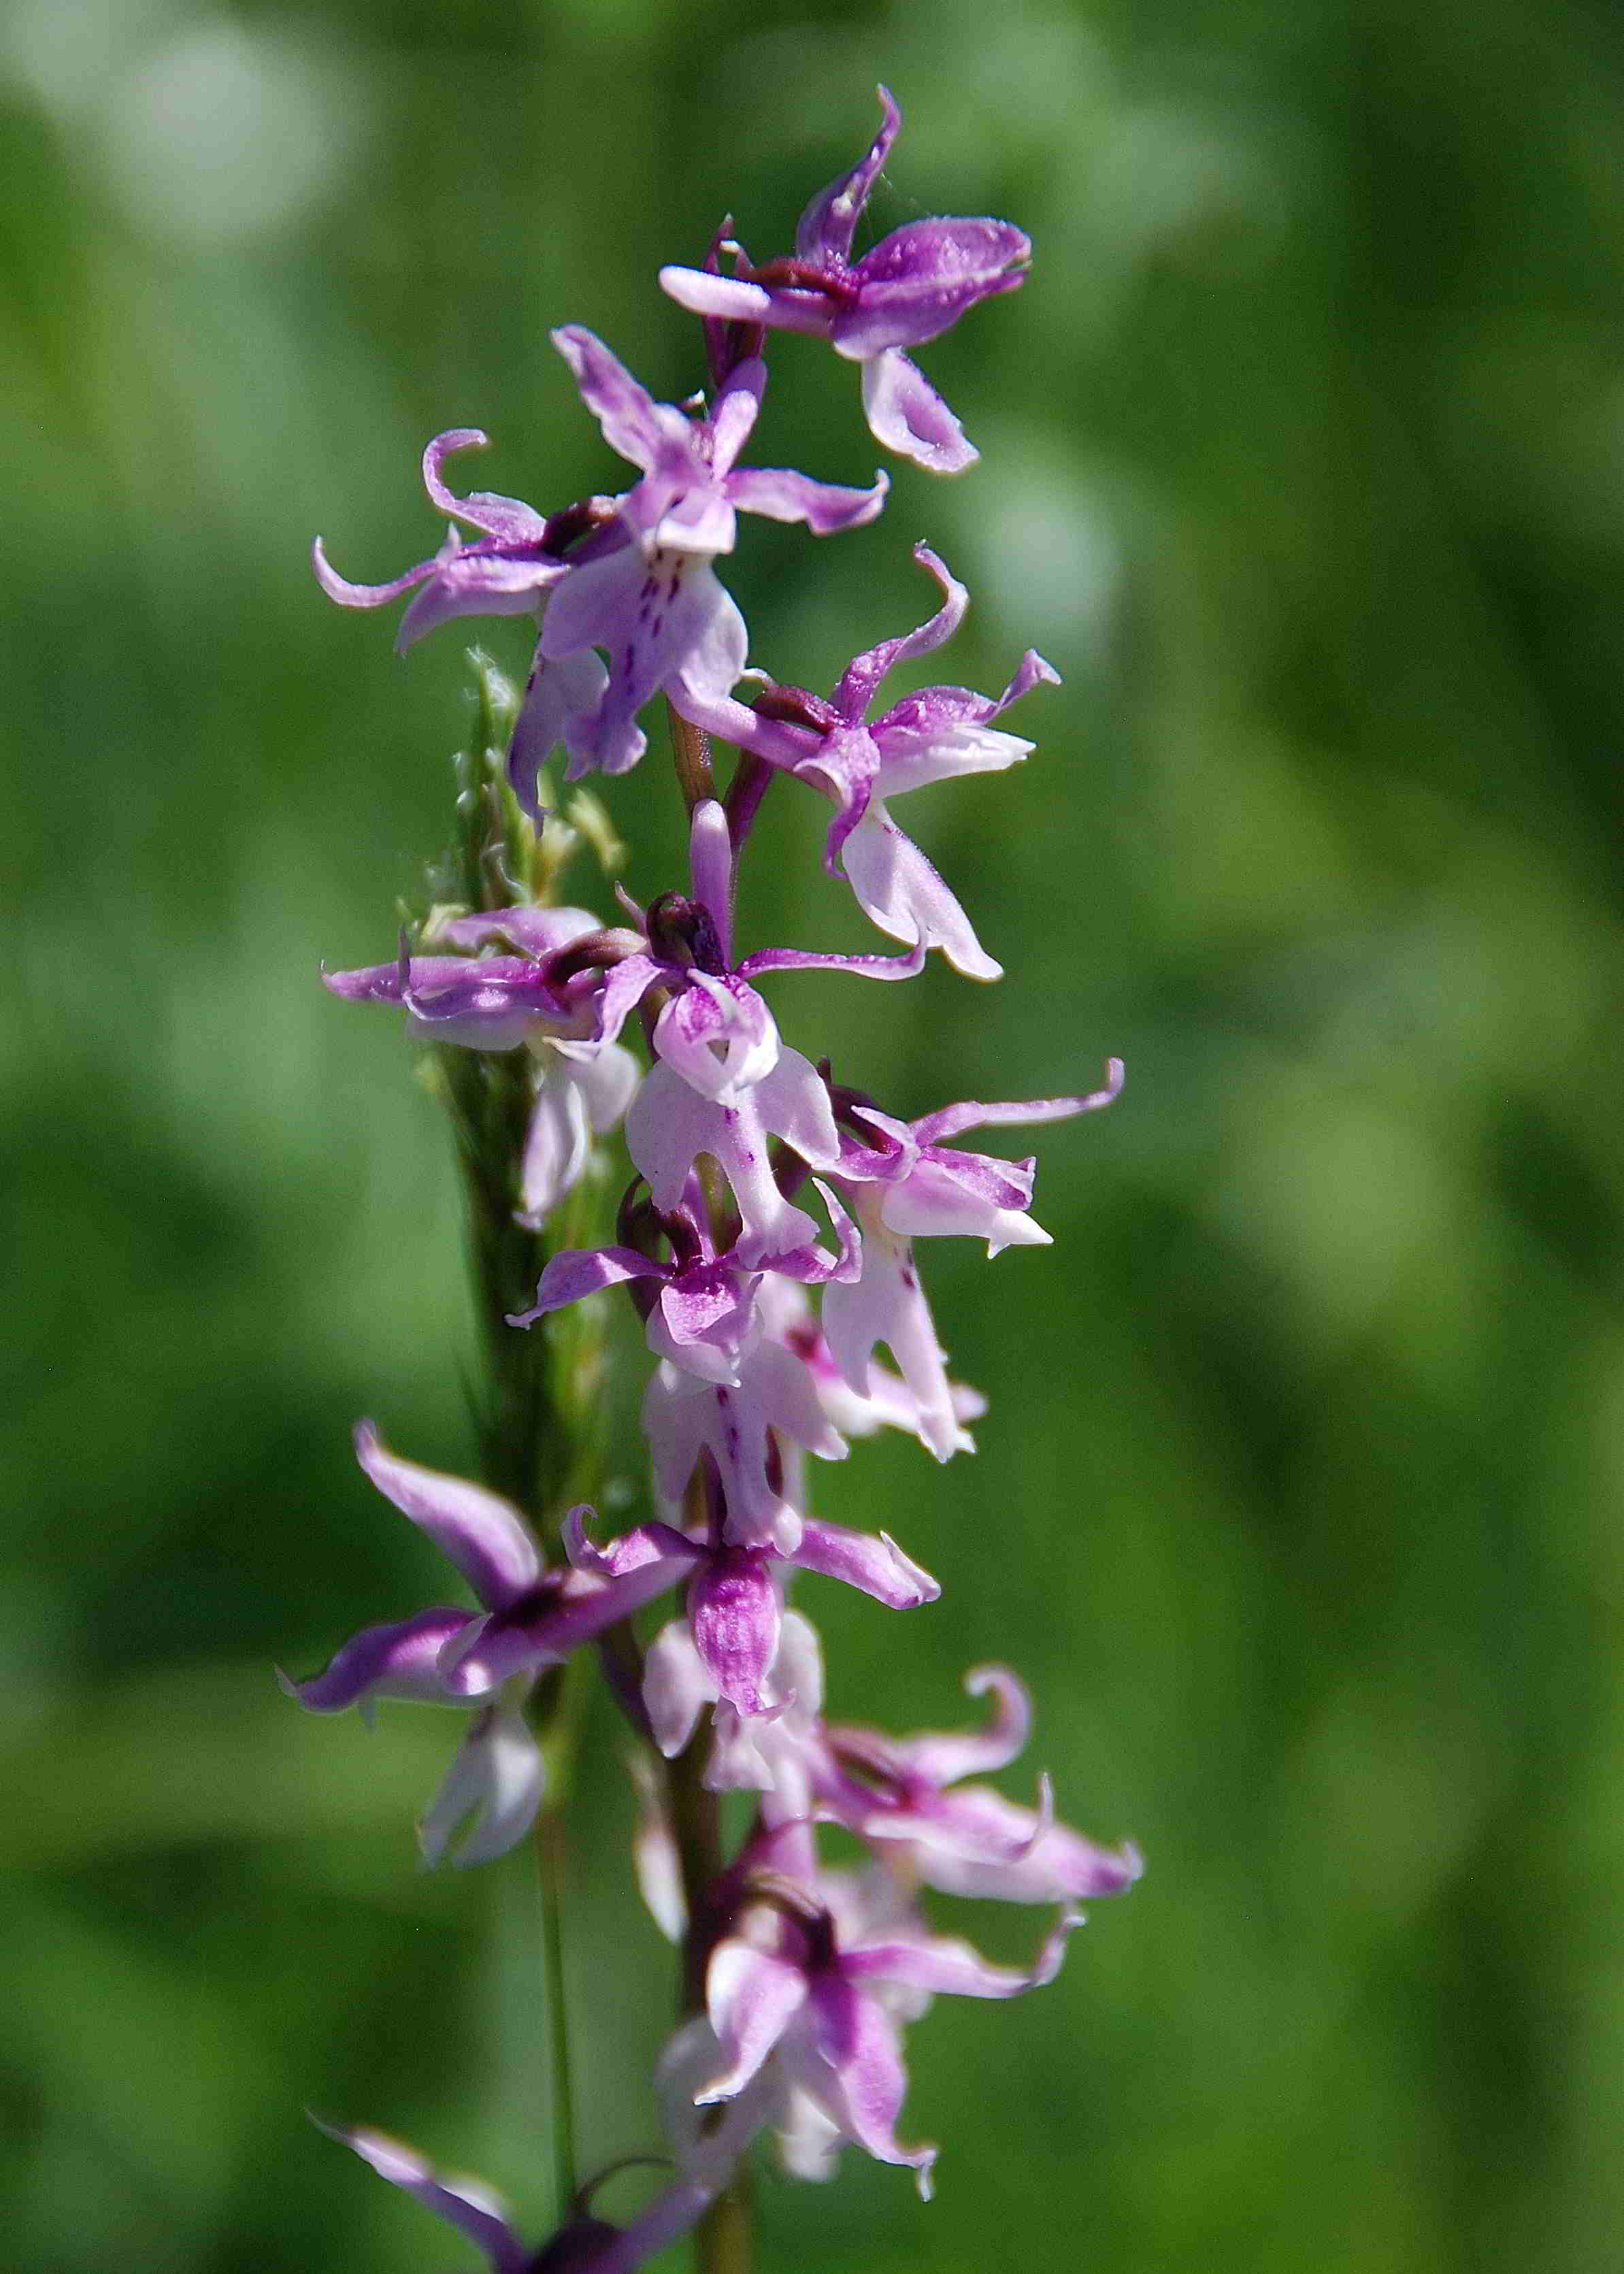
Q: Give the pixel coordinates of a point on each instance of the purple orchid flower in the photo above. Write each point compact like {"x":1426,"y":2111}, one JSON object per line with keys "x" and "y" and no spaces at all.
{"x":722,"y":1083}
{"x":886,"y":1402}
{"x":654,"y":604}
{"x":536,"y":999}
{"x":506,"y":571}
{"x":906,"y":1185}
{"x":810,"y":1997}
{"x":734,"y":1599}
{"x":497,"y":1777}
{"x":895,"y":1793}
{"x":935,"y":736}
{"x":705,"y":1318}
{"x":911,"y":286}
{"x":583,"y":2245}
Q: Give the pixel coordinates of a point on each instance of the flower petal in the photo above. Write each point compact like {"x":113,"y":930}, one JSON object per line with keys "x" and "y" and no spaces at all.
{"x":737,"y":409}
{"x":507,"y":519}
{"x":499,"y":1777}
{"x":374,"y":596}
{"x":751,"y":1998}
{"x":901,"y":892}
{"x":779,"y":494}
{"x":878,"y":1566}
{"x":577,"y":1272}
{"x":826,"y":229}
{"x":711,"y":868}
{"x":921,"y":278}
{"x":474,"y":2210}
{"x":478,"y":583}
{"x":905,"y":413}
{"x":399,"y":1660}
{"x":853,"y":2070}
{"x":952,"y":1120}
{"x":861,"y":679}
{"x":484,"y":1535}
{"x":633,"y":423}
{"x":676,"y":1690}
{"x":944,"y":1964}
{"x":733,"y":1611}
{"x":562,"y":698}
{"x":943,"y":1756}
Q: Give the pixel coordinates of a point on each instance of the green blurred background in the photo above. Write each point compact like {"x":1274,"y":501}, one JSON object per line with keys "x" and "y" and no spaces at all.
{"x":1303,"y":459}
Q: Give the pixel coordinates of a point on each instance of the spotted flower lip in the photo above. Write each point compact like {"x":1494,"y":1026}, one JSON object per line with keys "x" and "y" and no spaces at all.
{"x":911,"y":286}
{"x":936,"y":735}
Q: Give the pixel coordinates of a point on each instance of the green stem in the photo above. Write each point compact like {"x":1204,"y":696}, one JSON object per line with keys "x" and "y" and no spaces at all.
{"x":535,"y":1405}
{"x":550,"y":1855}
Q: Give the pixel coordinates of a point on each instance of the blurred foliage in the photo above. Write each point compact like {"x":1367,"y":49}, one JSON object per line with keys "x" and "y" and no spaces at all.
{"x":1297,"y":1497}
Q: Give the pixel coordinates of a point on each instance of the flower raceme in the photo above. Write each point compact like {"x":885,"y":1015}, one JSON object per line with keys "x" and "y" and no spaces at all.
{"x":765,"y":1241}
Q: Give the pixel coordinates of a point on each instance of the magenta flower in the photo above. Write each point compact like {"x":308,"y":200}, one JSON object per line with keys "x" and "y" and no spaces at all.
{"x":504,"y":572}
{"x":722,"y":1083}
{"x":496,"y":1779}
{"x":705,"y":1318}
{"x":911,"y":286}
{"x":906,"y":1796}
{"x":654,"y":605}
{"x":885,"y":1401}
{"x":907,"y":1183}
{"x":935,"y":736}
{"x":539,"y":999}
{"x":585,"y":2245}
{"x":810,"y":1996}
{"x":734,"y":1599}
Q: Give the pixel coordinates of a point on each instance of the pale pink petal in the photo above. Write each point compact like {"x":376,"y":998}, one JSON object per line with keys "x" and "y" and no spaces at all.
{"x":905,"y":413}
{"x":751,"y":1998}
{"x":498,"y":1778}
{"x":850,"y":2063}
{"x":633,"y":423}
{"x":901,"y":892}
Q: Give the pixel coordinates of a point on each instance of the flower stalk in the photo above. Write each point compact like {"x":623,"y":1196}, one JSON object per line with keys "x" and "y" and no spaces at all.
{"x":764,"y":1250}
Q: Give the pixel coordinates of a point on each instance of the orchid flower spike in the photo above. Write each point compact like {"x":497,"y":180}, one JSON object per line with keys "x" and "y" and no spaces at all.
{"x":908,"y":288}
